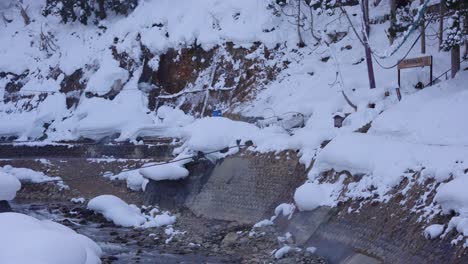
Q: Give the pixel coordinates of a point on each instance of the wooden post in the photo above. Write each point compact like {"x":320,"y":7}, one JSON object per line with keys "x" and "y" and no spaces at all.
{"x":441,"y":23}
{"x":455,"y":58}
{"x":398,"y":93}
{"x":392,"y":20}
{"x":423,"y":32}
{"x":366,"y":16}
{"x":301,"y":41}
{"x":399,"y":85}
{"x":466,"y":38}
{"x":430,"y":72}
{"x":366,"y":31}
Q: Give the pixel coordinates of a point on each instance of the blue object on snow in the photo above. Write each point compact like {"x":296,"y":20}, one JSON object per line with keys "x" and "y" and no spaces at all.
{"x":217,"y":113}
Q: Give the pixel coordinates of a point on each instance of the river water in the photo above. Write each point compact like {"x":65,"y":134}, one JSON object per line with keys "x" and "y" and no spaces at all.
{"x":122,"y":252}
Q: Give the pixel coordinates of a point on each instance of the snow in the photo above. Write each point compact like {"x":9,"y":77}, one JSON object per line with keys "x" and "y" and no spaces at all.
{"x":109,"y":76}
{"x":311,"y":195}
{"x":27,"y":240}
{"x":452,"y":196}
{"x":122,"y":214}
{"x":134,"y":179}
{"x":116,"y":210}
{"x":170,"y":171}
{"x":384,"y":161}
{"x":433,"y":231}
{"x":123,"y":115}
{"x":30,"y":124}
{"x":171,"y":116}
{"x":263,"y":223}
{"x":432,"y":117}
{"x":215,"y":133}
{"x":9,"y":185}
{"x":285,"y":209}
{"x":280,"y":253}
{"x":79,"y":200}
{"x":312,"y":250}
{"x":164,"y":219}
{"x":26,"y":175}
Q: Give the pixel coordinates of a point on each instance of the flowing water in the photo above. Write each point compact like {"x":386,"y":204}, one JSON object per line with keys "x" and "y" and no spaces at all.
{"x":117,"y":252}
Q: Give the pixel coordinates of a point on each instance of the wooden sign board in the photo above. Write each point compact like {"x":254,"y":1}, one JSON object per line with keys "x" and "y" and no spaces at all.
{"x":415,"y":62}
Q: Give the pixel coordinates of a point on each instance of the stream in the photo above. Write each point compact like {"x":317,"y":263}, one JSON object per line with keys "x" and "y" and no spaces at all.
{"x":115,"y":249}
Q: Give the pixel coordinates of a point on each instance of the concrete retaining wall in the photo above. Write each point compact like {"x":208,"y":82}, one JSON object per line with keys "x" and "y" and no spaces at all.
{"x":244,"y":188}
{"x":247,"y":188}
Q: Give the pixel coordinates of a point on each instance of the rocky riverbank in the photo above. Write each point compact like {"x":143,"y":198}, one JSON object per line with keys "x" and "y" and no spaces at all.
{"x":190,"y":240}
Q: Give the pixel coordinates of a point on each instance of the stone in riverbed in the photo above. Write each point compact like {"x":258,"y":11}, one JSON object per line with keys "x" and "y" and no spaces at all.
{"x":229,"y":239}
{"x":5,"y":207}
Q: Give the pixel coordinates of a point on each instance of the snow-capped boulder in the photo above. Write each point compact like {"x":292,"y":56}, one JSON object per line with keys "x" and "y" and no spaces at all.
{"x":26,"y":240}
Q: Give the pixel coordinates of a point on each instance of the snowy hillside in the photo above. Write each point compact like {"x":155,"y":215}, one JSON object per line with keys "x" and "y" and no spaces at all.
{"x":162,"y":70}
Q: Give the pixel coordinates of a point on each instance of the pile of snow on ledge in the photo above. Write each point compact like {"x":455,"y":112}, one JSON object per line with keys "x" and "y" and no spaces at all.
{"x":25,"y":175}
{"x":26,"y":240}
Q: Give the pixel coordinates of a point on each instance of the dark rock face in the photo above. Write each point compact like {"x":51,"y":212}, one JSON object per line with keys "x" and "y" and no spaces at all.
{"x":73,"y":86}
{"x":5,"y":207}
{"x":176,"y":69}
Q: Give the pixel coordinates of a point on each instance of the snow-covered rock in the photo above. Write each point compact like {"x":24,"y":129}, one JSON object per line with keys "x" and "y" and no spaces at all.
{"x":9,"y":185}
{"x":79,"y":200}
{"x":310,"y":195}
{"x":26,"y":175}
{"x":262,"y":223}
{"x":26,"y":240}
{"x":109,"y":76}
{"x":452,"y":196}
{"x":134,"y":179}
{"x":280,"y":253}
{"x":170,"y":171}
{"x":433,"y":231}
{"x":163,"y":219}
{"x":122,"y":214}
{"x":215,"y":133}
{"x":117,"y":211}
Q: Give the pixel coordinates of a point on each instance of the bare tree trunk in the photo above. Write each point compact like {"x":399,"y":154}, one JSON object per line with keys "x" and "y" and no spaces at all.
{"x":455,"y":58}
{"x":366,"y":31}
{"x":392,"y":20}
{"x":312,"y":25}
{"x":466,"y":48}
{"x":23,"y":12}
{"x":301,"y":41}
{"x":441,"y":23}
{"x":102,"y":11}
{"x":365,"y":12}
{"x":466,"y":33}
{"x":423,"y":32}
